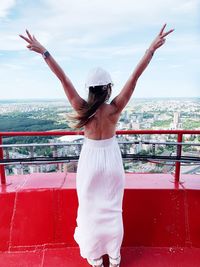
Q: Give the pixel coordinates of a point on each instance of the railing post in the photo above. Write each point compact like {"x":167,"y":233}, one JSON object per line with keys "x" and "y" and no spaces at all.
{"x":178,"y":154}
{"x":2,"y":168}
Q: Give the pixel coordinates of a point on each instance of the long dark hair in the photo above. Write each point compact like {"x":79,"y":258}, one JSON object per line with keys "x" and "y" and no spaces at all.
{"x":97,"y":95}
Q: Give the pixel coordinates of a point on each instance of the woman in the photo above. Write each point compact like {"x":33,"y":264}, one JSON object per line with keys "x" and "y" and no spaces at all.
{"x":100,"y":174}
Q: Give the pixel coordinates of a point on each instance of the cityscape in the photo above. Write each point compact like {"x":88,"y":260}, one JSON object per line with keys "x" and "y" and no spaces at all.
{"x":140,"y":114}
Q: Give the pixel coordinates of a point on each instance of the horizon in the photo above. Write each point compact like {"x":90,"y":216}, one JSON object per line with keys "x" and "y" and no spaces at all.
{"x":65,"y":99}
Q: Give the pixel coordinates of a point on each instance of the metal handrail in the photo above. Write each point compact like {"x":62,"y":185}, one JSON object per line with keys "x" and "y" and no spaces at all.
{"x":179,"y":142}
{"x":80,"y":143}
{"x":42,"y":160}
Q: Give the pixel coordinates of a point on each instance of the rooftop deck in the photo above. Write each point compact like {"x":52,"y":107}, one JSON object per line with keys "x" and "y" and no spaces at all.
{"x":61,"y":180}
{"x":131,"y":257}
{"x":161,"y":220}
{"x":160,"y":214}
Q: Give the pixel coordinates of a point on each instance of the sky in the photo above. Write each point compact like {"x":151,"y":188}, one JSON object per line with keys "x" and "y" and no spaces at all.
{"x":111,"y":34}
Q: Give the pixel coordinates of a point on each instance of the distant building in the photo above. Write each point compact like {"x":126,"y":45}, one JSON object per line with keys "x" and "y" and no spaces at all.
{"x":155,"y":116}
{"x":176,"y":124}
{"x":176,"y":119}
{"x":133,"y":118}
{"x":18,"y":170}
{"x":34,"y":168}
{"x":71,"y":138}
{"x":42,"y":168}
{"x":126,"y":116}
{"x":138,"y":148}
{"x":135,"y":125}
{"x":139,"y":118}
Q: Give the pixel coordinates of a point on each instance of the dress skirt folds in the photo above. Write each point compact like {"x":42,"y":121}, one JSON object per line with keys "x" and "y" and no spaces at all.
{"x":100,"y":189}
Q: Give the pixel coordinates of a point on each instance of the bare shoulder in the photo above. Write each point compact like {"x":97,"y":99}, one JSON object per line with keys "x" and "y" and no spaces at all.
{"x":112,"y":112}
{"x":112,"y":109}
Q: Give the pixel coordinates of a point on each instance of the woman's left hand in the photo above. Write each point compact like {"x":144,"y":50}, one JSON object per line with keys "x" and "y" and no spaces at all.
{"x":160,"y":39}
{"x":33,"y":43}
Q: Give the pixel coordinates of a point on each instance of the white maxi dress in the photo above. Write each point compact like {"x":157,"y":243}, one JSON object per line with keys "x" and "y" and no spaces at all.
{"x":100,"y":188}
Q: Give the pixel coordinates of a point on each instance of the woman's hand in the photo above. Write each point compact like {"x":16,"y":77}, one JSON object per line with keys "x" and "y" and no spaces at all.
{"x":33,"y":43}
{"x":120,"y":101}
{"x":74,"y":98}
{"x":160,"y":39}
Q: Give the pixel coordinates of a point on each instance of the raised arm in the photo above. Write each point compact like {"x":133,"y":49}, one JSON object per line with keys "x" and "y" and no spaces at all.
{"x":34,"y":45}
{"x":120,"y":101}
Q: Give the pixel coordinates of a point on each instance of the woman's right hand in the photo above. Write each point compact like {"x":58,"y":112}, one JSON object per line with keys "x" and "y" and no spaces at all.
{"x":33,"y":43}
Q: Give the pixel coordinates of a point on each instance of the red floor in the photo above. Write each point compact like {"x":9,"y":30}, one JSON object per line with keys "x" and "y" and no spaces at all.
{"x":170,"y":210}
{"x":131,"y":257}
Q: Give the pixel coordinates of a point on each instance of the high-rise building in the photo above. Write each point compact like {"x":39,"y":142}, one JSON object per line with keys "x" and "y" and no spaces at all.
{"x":176,"y":121}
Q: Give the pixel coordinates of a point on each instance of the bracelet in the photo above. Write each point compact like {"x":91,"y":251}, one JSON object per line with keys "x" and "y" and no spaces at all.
{"x":46,"y":54}
{"x":152,"y":52}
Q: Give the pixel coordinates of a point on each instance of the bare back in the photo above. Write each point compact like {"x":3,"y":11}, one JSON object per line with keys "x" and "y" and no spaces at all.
{"x":103,"y":124}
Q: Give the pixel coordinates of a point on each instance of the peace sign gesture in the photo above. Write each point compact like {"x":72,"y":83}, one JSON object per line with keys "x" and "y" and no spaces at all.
{"x":160,"y":39}
{"x":33,"y":43}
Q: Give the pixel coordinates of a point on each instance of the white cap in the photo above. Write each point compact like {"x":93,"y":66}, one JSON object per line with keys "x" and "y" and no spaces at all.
{"x":98,"y":76}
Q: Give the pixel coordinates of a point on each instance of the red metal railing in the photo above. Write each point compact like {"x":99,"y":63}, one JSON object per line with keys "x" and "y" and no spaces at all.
{"x":179,"y":134}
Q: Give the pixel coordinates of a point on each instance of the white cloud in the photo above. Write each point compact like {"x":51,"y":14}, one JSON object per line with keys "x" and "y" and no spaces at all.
{"x":5,"y":6}
{"x":175,"y":66}
{"x":13,"y":67}
{"x":111,"y":16}
{"x":9,"y":42}
{"x":77,"y":23}
{"x":189,"y":6}
{"x":183,"y":43}
{"x":82,"y":33}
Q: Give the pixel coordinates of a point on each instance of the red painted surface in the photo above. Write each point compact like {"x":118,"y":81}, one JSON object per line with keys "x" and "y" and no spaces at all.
{"x":161,"y":221}
{"x":6,"y":204}
{"x":40,"y":209}
{"x":131,"y":257}
{"x":178,"y":153}
{"x":192,"y":203}
{"x":2,"y":171}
